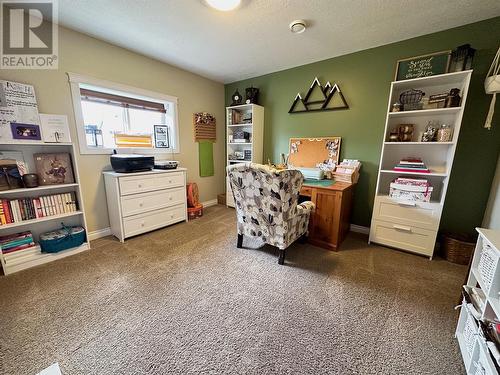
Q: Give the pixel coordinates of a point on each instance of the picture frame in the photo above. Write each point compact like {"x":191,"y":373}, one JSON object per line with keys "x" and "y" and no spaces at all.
{"x":55,"y":128}
{"x":423,"y":65}
{"x":29,"y":132}
{"x":54,"y":168}
{"x":162,"y":136}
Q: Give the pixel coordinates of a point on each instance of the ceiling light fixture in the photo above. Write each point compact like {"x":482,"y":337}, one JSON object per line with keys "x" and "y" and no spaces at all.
{"x":298,"y":26}
{"x":224,"y":5}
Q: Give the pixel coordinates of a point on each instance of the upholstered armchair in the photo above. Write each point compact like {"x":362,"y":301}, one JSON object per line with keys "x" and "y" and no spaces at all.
{"x":266,"y":201}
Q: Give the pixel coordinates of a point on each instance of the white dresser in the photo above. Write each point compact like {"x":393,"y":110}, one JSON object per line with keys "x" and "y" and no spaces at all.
{"x":144,"y":201}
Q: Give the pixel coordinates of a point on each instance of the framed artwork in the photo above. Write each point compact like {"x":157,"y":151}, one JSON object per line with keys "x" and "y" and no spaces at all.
{"x":322,"y":152}
{"x":162,"y":138}
{"x":25,"y":131}
{"x":10,"y":176}
{"x":423,"y":66}
{"x":54,"y":168}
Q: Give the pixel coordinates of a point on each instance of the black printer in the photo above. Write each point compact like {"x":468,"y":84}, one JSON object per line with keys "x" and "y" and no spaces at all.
{"x":129,"y":163}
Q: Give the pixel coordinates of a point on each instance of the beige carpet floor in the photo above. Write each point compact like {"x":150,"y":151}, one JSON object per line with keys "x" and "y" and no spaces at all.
{"x":185,"y":300}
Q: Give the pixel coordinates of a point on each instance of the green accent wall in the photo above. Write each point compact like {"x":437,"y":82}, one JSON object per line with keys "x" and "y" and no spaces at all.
{"x":364,"y":78}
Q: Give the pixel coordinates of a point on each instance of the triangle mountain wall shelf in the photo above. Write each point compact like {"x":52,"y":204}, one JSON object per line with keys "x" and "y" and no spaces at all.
{"x":301,"y":105}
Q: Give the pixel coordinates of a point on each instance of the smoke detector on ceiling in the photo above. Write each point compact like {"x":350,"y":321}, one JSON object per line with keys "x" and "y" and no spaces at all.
{"x":298,"y":26}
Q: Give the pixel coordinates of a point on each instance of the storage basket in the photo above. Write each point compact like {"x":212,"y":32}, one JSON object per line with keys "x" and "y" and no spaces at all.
{"x":62,"y":239}
{"x":457,"y":248}
{"x":195,"y":212}
{"x":487,"y":265}
{"x":470,"y":332}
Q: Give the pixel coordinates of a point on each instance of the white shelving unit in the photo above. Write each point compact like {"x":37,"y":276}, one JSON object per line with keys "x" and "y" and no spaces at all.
{"x":256,"y":144}
{"x":16,"y":262}
{"x":413,"y":226}
{"x":484,"y":275}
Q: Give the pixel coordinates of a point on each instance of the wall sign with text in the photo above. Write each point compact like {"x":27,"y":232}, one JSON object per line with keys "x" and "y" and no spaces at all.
{"x":423,"y":66}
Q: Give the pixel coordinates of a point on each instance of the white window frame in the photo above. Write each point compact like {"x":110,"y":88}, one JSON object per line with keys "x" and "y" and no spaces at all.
{"x":75,"y":80}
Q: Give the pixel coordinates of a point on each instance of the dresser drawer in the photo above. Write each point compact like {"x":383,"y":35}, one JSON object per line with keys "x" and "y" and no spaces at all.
{"x":421,"y":214}
{"x":141,"y":223}
{"x":405,"y":237}
{"x":143,"y":202}
{"x":144,"y":183}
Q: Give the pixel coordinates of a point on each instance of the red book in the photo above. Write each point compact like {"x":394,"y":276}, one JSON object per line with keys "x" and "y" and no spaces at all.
{"x":416,"y":171}
{"x":6,"y":210}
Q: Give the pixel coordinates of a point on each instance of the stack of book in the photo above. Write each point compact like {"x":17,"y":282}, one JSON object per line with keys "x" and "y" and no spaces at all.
{"x":414,"y":165}
{"x":16,"y":242}
{"x":21,"y":209}
{"x":411,"y":189}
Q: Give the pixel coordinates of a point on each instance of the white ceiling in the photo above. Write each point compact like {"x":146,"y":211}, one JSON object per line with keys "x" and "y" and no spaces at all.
{"x":255,"y":39}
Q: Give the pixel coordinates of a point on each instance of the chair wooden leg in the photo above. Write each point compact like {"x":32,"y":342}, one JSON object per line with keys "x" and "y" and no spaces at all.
{"x":281,"y":259}
{"x":239,"y":244}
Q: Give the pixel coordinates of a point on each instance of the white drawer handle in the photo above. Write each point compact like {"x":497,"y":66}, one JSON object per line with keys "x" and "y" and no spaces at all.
{"x":139,"y":185}
{"x":140,"y":204}
{"x":169,"y":181}
{"x":172,"y":216}
{"x":142,"y":224}
{"x":408,"y":204}
{"x":402,"y":228}
{"x":169,"y":198}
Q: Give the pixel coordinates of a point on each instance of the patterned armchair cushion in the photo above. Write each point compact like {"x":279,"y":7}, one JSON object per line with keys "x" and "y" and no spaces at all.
{"x":266,"y":201}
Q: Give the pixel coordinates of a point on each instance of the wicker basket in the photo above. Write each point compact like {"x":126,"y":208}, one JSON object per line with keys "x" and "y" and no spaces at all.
{"x":457,"y":248}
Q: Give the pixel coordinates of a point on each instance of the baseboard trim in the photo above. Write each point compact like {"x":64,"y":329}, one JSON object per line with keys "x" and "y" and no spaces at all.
{"x":94,"y":235}
{"x":360,"y":229}
{"x":212,"y":202}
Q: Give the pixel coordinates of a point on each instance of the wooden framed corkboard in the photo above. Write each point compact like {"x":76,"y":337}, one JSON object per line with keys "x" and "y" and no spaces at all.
{"x":322,"y":152}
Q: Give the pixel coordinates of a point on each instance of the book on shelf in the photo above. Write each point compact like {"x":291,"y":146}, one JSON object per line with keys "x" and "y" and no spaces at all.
{"x":21,"y":209}
{"x":16,"y":242}
{"x":410,"y":189}
{"x":413,"y":165}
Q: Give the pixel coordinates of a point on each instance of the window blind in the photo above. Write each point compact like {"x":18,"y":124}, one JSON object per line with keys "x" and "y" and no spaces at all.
{"x":120,"y":101}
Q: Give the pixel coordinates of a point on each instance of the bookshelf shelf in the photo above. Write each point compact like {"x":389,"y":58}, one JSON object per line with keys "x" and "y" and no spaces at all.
{"x":39,"y":188}
{"x":426,"y":112}
{"x":22,"y":263}
{"x":421,"y":221}
{"x":420,"y":143}
{"x":39,"y":220}
{"x":13,"y":262}
{"x":239,"y":113}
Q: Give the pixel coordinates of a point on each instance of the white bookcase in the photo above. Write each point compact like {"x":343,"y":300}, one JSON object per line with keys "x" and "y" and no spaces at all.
{"x":484,"y":275}
{"x":11,"y":264}
{"x":413,"y":226}
{"x":256,"y":144}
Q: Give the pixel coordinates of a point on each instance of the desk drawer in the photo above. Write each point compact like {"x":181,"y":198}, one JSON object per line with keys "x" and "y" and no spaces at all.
{"x":144,"y":183}
{"x":306,"y":191}
{"x":405,"y":237}
{"x":138,"y":203}
{"x":141,"y":223}
{"x":421,"y":214}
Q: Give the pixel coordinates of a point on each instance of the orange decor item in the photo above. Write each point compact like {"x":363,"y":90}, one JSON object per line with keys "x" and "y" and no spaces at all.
{"x":193,"y":196}
{"x":195,"y":212}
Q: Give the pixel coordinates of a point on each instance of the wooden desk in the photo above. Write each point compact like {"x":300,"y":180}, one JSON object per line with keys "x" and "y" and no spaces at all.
{"x":330,"y":221}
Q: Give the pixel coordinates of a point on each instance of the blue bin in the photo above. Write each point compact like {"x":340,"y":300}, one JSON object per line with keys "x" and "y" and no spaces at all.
{"x":62,"y":239}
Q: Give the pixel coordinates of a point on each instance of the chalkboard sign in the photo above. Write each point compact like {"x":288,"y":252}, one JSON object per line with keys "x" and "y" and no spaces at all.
{"x":423,"y":66}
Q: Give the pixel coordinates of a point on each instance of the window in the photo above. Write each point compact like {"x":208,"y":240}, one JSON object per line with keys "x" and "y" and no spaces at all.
{"x":112,"y":116}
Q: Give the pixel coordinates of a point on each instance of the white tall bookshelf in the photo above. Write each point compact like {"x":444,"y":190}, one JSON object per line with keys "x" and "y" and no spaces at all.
{"x":413,"y":226}
{"x":47,"y":223}
{"x":256,"y":144}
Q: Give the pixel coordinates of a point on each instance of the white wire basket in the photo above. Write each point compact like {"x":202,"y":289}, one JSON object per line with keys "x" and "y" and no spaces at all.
{"x":487,"y":265}
{"x":470,"y":332}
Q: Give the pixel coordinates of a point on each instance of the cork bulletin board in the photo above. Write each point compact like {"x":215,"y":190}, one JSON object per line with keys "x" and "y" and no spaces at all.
{"x":320,"y":153}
